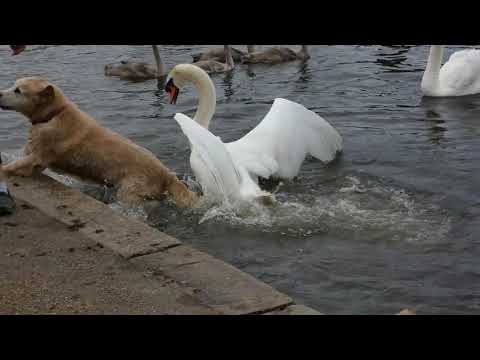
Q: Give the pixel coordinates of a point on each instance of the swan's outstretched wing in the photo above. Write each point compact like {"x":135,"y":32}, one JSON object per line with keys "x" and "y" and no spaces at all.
{"x":279,"y":144}
{"x":461,"y":73}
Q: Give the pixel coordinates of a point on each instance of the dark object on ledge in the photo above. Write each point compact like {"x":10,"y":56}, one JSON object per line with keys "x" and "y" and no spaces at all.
{"x":7,"y":204}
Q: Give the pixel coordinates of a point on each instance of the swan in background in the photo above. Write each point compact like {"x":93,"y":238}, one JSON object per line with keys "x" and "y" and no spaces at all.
{"x":219,"y":55}
{"x":138,"y":71}
{"x":276,"y":147}
{"x":275,"y":55}
{"x":459,"y":76}
{"x":212,"y":66}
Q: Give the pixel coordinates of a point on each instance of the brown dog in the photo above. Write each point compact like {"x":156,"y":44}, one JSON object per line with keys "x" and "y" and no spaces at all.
{"x":65,"y":139}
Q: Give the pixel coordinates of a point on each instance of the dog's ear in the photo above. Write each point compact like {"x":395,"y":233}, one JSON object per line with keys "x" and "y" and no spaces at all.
{"x":48,"y":94}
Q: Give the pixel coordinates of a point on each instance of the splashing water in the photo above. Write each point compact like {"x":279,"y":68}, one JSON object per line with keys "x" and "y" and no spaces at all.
{"x":361,"y":207}
{"x":137,"y":212}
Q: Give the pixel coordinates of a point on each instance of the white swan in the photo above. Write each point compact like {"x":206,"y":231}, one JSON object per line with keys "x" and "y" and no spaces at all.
{"x":459,"y":76}
{"x":276,"y":147}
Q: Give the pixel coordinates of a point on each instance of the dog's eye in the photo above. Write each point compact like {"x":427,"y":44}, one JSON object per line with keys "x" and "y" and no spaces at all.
{"x":17,"y":90}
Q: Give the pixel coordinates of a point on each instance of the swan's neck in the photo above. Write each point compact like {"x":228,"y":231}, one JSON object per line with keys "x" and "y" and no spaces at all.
{"x":158,"y":60}
{"x":206,"y":95}
{"x":303,"y":53}
{"x":250,"y":48}
{"x":430,"y":77}
{"x":228,"y":56}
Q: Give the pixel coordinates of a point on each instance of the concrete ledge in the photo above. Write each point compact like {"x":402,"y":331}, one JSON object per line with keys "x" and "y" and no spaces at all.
{"x":217,"y":284}
{"x":127,"y":237}
{"x":45,"y":268}
{"x":199,"y":282}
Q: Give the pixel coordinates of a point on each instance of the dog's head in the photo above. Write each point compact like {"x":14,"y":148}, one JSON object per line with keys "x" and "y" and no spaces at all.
{"x":29,"y":96}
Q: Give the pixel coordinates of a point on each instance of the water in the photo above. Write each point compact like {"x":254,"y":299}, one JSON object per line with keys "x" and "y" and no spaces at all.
{"x":393,"y":223}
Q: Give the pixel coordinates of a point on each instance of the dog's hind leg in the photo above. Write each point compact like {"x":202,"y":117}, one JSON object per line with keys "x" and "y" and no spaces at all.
{"x":135,"y":191}
{"x":183,"y":197}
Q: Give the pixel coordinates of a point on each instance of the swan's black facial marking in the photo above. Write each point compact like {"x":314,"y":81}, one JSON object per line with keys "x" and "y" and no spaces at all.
{"x":172,"y":91}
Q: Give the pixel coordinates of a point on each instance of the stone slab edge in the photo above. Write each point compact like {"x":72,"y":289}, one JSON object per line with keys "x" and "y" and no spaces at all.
{"x":294,"y":310}
{"x":92,"y":218}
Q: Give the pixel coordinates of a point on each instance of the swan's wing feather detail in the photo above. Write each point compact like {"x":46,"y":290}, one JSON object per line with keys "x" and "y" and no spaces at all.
{"x":278,"y":145}
{"x":466,"y":53}
{"x":253,"y":158}
{"x":213,"y":165}
{"x":461,"y":73}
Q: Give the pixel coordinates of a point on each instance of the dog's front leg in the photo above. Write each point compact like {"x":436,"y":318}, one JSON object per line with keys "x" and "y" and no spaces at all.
{"x":28,"y":149}
{"x":24,"y":167}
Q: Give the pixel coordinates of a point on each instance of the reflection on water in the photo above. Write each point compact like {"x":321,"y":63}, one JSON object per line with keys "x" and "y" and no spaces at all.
{"x":394,"y":223}
{"x":249,"y":70}
{"x":396,"y":61}
{"x":392,"y":61}
{"x":227,"y":84}
{"x":440,"y":111}
{"x":438,"y":127}
{"x":304,"y":76}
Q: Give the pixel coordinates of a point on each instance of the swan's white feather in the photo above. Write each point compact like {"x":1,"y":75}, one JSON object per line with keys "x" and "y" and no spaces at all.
{"x":278,"y":145}
{"x":213,"y":165}
{"x":460,"y":75}
{"x":466,"y":53}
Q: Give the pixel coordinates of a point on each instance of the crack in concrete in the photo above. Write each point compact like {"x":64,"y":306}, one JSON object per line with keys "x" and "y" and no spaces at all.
{"x":152,"y":251}
{"x":275,"y":308}
{"x":186,"y":264}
